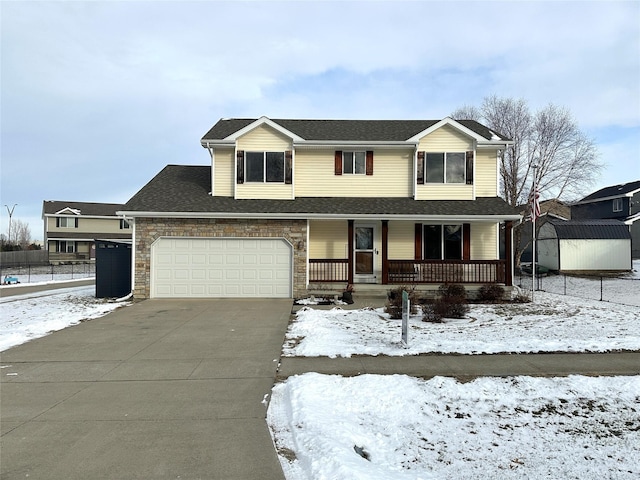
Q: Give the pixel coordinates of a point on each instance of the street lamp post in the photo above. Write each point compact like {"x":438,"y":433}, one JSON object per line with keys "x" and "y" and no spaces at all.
{"x":10,"y":215}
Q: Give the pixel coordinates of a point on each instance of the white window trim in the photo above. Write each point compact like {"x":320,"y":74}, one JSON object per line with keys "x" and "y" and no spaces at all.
{"x":617,"y":202}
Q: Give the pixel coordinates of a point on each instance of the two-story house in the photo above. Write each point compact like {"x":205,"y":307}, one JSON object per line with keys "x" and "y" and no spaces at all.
{"x":617,"y":202}
{"x":289,"y":206}
{"x":71,"y":228}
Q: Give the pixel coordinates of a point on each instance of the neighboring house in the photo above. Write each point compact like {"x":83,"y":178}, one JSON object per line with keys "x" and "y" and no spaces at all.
{"x":291,"y":206}
{"x":549,"y":209}
{"x":71,"y":228}
{"x":583,"y":246}
{"x":619,"y":202}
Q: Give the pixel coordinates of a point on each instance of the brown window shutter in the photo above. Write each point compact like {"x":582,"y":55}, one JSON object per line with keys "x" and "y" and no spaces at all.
{"x":369,"y":162}
{"x":76,"y":222}
{"x":420,"y":173}
{"x":288,"y":170}
{"x":466,"y":241}
{"x":470,"y":168}
{"x":338,"y":162}
{"x":240,"y":166}
{"x":57,"y":221}
{"x":418,"y":241}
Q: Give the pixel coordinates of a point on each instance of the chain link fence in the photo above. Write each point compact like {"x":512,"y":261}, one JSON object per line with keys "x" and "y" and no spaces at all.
{"x":624,"y":290}
{"x":47,"y":273}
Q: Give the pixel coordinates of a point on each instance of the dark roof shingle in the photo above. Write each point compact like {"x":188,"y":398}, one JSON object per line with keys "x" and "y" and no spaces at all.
{"x":591,"y":229}
{"x":345,"y":130}
{"x":85,"y":208}
{"x":612,"y":191}
{"x":185,"y":188}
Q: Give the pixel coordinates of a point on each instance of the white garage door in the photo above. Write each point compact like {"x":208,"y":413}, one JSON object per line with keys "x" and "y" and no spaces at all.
{"x":220,"y":267}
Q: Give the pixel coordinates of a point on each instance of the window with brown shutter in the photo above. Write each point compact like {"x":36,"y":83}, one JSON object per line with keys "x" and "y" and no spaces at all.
{"x":240,"y":166}
{"x":369,"y":167}
{"x":469,"y":172}
{"x":338,"y":163}
{"x":288,"y":169}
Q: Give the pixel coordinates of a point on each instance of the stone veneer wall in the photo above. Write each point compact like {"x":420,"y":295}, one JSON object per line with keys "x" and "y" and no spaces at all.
{"x":147,"y":230}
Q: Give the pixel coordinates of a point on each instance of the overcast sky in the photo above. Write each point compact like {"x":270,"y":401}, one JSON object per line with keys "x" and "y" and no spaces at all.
{"x":98,"y":96}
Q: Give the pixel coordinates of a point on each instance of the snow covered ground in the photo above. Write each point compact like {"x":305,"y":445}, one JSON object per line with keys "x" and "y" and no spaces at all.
{"x":25,"y":317}
{"x":324,"y":426}
{"x":553,"y":323}
{"x":491,"y":428}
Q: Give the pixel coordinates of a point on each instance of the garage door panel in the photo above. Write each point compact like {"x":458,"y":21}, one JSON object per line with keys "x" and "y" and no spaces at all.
{"x":216,"y":267}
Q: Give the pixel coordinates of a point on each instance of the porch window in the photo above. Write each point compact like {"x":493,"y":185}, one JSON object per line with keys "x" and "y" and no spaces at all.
{"x":66,"y":247}
{"x":442,"y":242}
{"x":264,"y":167}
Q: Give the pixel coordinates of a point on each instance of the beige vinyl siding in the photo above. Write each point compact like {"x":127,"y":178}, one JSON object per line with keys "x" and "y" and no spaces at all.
{"x":328,"y":238}
{"x":446,"y":139}
{"x":401,"y":240}
{"x":315,"y":175}
{"x":484,"y":241}
{"x":264,"y":139}
{"x":224,"y":172}
{"x":267,"y":190}
{"x":486,"y":174}
{"x":89,"y":225}
{"x":444,"y":191}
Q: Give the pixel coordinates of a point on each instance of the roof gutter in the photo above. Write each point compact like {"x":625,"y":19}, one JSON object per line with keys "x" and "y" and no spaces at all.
{"x":322,"y":216}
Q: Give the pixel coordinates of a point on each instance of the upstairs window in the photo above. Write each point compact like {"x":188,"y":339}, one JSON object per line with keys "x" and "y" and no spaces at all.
{"x":264,"y":167}
{"x":445,"y":167}
{"x":617,"y":204}
{"x":124,"y":224}
{"x":261,"y":167}
{"x":66,"y":222}
{"x":354,"y":162}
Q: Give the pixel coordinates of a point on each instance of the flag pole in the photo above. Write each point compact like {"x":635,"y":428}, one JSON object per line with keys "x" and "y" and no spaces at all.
{"x":533,"y":228}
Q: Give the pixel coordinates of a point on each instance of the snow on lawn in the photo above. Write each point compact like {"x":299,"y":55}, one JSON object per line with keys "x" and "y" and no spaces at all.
{"x":552,"y":323}
{"x":25,"y":317}
{"x":491,"y":428}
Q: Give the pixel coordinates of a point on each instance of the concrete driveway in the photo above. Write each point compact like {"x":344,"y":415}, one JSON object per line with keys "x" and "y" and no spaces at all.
{"x":161,"y":389}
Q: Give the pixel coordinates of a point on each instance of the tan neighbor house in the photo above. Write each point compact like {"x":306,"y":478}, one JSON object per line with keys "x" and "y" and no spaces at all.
{"x":285,"y":207}
{"x":71,"y":228}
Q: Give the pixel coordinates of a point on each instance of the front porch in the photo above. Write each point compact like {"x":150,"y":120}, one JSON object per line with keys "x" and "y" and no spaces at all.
{"x":387,"y":266}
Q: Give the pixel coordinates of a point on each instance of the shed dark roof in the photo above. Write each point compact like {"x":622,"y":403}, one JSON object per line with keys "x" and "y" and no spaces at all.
{"x":591,"y":229}
{"x":345,"y":130}
{"x":185,"y":188}
{"x":86,"y":208}
{"x":613,"y":191}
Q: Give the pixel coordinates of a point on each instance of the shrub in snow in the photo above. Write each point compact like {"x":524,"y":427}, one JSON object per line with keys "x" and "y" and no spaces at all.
{"x":450,"y":303}
{"x":491,"y":293}
{"x":394,"y":301}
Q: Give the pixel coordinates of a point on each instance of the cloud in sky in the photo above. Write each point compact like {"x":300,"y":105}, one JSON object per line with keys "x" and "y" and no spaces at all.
{"x":98,"y":96}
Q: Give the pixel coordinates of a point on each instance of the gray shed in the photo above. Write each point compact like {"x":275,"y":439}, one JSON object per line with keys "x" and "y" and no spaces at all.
{"x":585,"y":246}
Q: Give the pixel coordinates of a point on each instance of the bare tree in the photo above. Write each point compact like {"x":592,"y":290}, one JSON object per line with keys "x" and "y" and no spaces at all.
{"x":567,"y":159}
{"x":22,"y":234}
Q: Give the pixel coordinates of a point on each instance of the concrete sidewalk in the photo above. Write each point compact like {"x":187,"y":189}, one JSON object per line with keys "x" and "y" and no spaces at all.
{"x":469,"y":366}
{"x":161,"y":389}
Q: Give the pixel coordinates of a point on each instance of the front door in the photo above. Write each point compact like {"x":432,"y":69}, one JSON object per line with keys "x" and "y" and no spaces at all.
{"x":364,"y":253}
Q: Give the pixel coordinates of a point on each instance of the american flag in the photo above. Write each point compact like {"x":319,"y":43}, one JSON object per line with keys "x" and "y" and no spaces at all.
{"x":534,"y":200}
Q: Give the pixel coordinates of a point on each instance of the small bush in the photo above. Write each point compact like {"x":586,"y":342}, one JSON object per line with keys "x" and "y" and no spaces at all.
{"x":491,"y":293}
{"x":451,"y":303}
{"x":394,"y":301}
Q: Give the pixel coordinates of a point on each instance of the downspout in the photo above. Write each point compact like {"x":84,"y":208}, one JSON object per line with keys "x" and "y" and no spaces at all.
{"x":212,"y":153}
